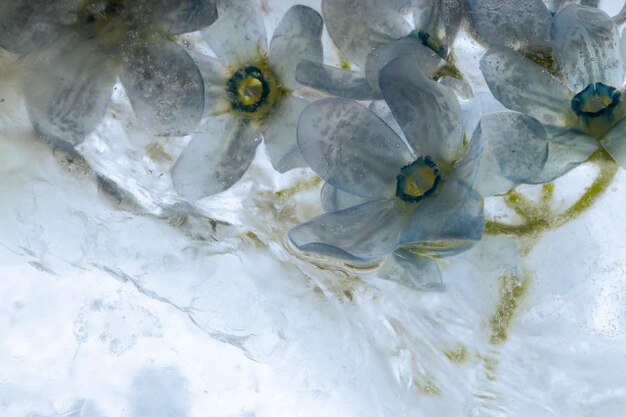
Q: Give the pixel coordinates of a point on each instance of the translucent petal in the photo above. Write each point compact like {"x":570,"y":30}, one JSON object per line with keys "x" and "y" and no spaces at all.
{"x":423,"y":272}
{"x":586,"y":46}
{"x":514,"y":151}
{"x":216,"y":158}
{"x":67,"y":90}
{"x":357,"y":27}
{"x":521,"y":85}
{"x":366,"y":232}
{"x":567,"y":149}
{"x":447,"y":221}
{"x":215,"y":76}
{"x":513,"y":23}
{"x":182,"y":16}
{"x":426,"y":60}
{"x":440,"y":20}
{"x":335,"y":81}
{"x":615,"y":142}
{"x":334,"y":199}
{"x":351,"y":148}
{"x":238,"y":36}
{"x":428,"y":113}
{"x":297,"y":37}
{"x":280,"y":134}
{"x":165,"y":88}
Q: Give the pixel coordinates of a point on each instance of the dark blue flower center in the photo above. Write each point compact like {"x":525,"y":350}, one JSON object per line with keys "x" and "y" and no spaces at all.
{"x":596,"y":100}
{"x":417,"y":180}
{"x":248,"y":89}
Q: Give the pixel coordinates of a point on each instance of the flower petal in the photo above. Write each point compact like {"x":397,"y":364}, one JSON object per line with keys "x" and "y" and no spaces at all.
{"x":334,"y":199}
{"x":165,"y":88}
{"x":426,"y":60}
{"x":182,"y":16}
{"x":280,"y":134}
{"x":351,"y":148}
{"x":521,"y":85}
{"x":514,"y":151}
{"x":216,"y":158}
{"x":364,"y":233}
{"x":567,"y":148}
{"x":586,"y":46}
{"x":439,"y":19}
{"x":67,"y":90}
{"x":615,"y":142}
{"x":297,"y":37}
{"x":428,"y":113}
{"x":423,"y":272}
{"x":238,"y":36}
{"x":513,"y":23}
{"x":335,"y":81}
{"x":448,"y":222}
{"x":357,"y":29}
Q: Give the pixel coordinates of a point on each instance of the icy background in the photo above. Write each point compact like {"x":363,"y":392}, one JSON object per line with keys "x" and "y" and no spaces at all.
{"x":114,"y":304}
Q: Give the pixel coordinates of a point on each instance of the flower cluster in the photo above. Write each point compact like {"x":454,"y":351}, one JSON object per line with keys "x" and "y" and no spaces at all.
{"x":405,"y":172}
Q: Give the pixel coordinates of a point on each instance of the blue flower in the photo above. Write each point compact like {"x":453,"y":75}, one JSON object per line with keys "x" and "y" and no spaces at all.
{"x":582,"y":111}
{"x":250,"y":92}
{"x":75,"y":49}
{"x":372,"y":33}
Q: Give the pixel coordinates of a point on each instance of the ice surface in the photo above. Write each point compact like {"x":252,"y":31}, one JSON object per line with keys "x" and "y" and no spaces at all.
{"x":113,"y":306}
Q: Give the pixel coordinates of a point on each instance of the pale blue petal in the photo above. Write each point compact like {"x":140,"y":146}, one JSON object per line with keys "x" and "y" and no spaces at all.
{"x":440,"y":19}
{"x":586,"y":46}
{"x":523,"y":86}
{"x":519,"y":24}
{"x":280,"y":134}
{"x":364,"y":233}
{"x":216,"y":158}
{"x":357,"y":28}
{"x":297,"y":37}
{"x":335,"y":81}
{"x":67,"y":91}
{"x":182,"y":16}
{"x":615,"y":142}
{"x":428,"y":113}
{"x":238,"y":36}
{"x":422,"y":273}
{"x":351,"y":148}
{"x":165,"y":87}
{"x":334,"y":199}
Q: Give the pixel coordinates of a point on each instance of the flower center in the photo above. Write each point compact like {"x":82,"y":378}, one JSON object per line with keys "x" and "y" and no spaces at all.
{"x":417,"y":180}
{"x":108,"y":22}
{"x":596,"y":100}
{"x":431,"y":43}
{"x":253,"y":90}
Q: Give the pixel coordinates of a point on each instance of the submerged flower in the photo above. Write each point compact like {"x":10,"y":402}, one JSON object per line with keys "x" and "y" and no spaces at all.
{"x":372,"y":33}
{"x":416,"y":192}
{"x":75,"y":49}
{"x":249,"y":93}
{"x":582,"y":111}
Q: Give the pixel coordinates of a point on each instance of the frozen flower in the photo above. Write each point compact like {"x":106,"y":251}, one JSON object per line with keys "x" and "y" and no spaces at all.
{"x":372,"y":33}
{"x":583,"y":110}
{"x":249,"y":93}
{"x":384,"y":192}
{"x":75,"y":50}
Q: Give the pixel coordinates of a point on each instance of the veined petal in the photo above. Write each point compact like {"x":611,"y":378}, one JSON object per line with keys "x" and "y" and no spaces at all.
{"x":216,"y":158}
{"x":356,"y":29}
{"x":426,"y":61}
{"x":615,"y":142}
{"x":513,"y":23}
{"x":182,"y":16}
{"x":586,"y":45}
{"x":364,"y":233}
{"x":428,"y":113}
{"x":280,"y":134}
{"x":567,"y":148}
{"x":351,"y":148}
{"x":521,"y":85}
{"x":335,"y":81}
{"x":238,"y":37}
{"x":514,"y":151}
{"x":67,"y":90}
{"x":334,"y":199}
{"x":451,"y":220}
{"x":423,"y":272}
{"x":215,"y":76}
{"x":165,"y":87}
{"x":297,"y":37}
